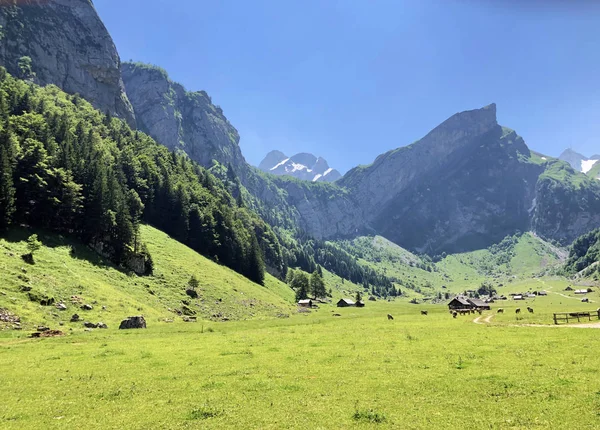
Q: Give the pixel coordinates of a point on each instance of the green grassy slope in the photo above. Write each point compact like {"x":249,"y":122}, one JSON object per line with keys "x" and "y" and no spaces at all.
{"x":59,"y":274}
{"x":515,"y":258}
{"x":595,"y":171}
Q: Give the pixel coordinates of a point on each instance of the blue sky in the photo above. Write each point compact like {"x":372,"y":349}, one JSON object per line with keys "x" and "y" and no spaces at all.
{"x":351,"y":79}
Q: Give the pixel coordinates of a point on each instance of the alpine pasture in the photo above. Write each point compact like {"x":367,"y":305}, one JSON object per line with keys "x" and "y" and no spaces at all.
{"x":311,"y":371}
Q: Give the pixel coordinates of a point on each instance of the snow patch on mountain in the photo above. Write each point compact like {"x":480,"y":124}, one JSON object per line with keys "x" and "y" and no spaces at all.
{"x":586,"y":165}
{"x":302,"y":166}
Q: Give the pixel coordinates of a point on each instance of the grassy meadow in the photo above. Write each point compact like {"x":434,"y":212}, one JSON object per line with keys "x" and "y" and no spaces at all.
{"x":358,"y":370}
{"x":253,"y":361}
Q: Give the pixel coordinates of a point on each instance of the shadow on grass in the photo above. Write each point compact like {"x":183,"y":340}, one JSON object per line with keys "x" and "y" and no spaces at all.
{"x":52,"y":240}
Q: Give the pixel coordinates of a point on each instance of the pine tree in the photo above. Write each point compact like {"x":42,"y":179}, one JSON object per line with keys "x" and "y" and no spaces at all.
{"x":256,"y":271}
{"x":7,"y":189}
{"x":317,"y":285}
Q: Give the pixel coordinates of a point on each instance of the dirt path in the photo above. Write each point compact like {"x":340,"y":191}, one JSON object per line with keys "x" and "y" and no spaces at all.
{"x":549,"y":289}
{"x":481,"y":320}
{"x":488,"y":320}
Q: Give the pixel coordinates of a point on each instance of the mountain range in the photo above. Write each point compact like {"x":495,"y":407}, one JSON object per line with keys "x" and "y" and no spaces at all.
{"x":466,"y":184}
{"x":581,"y":163}
{"x":303,"y":166}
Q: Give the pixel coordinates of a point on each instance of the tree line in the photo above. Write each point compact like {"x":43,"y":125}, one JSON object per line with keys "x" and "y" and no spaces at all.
{"x":66,"y":167}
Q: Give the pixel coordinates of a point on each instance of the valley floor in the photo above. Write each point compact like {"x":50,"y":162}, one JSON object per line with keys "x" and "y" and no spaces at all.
{"x":312,"y":371}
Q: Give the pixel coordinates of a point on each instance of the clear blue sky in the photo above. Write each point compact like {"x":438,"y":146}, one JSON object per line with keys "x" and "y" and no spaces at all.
{"x":351,"y":79}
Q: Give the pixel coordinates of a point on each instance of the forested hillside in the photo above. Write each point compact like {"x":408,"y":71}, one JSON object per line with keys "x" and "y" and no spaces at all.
{"x":68,"y":168}
{"x":584,"y":255}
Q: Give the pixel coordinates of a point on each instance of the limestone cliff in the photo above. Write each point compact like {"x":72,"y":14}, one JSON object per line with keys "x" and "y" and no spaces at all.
{"x":64,"y":42}
{"x":179,"y":119}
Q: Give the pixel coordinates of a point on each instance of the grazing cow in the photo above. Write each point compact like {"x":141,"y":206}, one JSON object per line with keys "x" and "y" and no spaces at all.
{"x":518,"y":310}
{"x":530,"y":309}
{"x":454,"y":314}
{"x":480,"y":311}
{"x":500,"y":311}
{"x":423,"y":312}
{"x":390,"y":317}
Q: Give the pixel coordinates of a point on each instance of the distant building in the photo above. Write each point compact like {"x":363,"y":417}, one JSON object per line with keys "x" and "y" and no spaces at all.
{"x":518,"y":297}
{"x":307,"y":303}
{"x":542,"y":293}
{"x":344,"y":303}
{"x":459,"y":302}
{"x":360,"y":304}
{"x":462,"y":302}
{"x":581,"y":291}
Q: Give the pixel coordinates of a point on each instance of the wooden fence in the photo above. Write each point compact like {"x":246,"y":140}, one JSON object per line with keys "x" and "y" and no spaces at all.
{"x":565,"y":317}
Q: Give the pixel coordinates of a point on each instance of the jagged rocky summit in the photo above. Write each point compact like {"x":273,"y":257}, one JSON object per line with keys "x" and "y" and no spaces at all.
{"x":302,"y":166}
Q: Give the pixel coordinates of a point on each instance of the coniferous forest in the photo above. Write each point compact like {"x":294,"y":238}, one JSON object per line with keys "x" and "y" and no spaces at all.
{"x":68,"y":168}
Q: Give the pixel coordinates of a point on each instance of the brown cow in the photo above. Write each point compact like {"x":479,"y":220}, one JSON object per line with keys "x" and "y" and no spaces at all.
{"x":390,"y":317}
{"x":500,"y":311}
{"x":423,"y":312}
{"x":518,"y":310}
{"x":454,"y":314}
{"x":530,"y":309}
{"x":480,"y":311}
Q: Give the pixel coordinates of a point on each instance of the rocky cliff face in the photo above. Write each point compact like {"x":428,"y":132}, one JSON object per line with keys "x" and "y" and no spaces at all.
{"x":466,"y":185}
{"x":181,"y":120}
{"x":64,"y":42}
{"x":567,"y":203}
{"x":303,"y":166}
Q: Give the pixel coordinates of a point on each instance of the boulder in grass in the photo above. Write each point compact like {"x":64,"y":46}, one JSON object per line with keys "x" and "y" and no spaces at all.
{"x":75,"y":318}
{"x":192,"y":293}
{"x":88,"y":324}
{"x":102,"y":325}
{"x":133,"y":322}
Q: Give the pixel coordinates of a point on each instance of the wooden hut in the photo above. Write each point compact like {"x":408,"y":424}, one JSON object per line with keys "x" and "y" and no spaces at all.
{"x":479,"y":304}
{"x":459,"y":302}
{"x":344,"y":303}
{"x":360,"y":304}
{"x":306,"y":303}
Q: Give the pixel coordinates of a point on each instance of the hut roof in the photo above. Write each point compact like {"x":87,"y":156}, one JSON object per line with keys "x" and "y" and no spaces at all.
{"x":304,"y":302}
{"x":477,"y":302}
{"x":462,"y":300}
{"x":348,"y":301}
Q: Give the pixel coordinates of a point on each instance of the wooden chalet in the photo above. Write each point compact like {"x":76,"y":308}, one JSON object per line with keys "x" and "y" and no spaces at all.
{"x":345,"y":303}
{"x":463,"y":302}
{"x":306,"y":303}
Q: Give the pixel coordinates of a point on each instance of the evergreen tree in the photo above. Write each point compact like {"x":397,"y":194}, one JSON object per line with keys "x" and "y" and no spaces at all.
{"x":256,"y":270}
{"x":317,"y":285}
{"x":7,"y":189}
{"x":300,"y":284}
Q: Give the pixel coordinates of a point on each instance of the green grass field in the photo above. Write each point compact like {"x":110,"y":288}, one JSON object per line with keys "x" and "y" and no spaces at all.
{"x":315,"y":370}
{"x":310,"y":371}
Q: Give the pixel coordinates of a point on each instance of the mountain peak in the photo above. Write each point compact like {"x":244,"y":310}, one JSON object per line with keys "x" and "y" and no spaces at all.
{"x":578,"y":161}
{"x":303,"y":165}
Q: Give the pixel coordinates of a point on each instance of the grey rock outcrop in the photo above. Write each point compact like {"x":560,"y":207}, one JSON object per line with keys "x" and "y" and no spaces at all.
{"x":69,"y":46}
{"x":181,"y":120}
{"x":133,"y":322}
